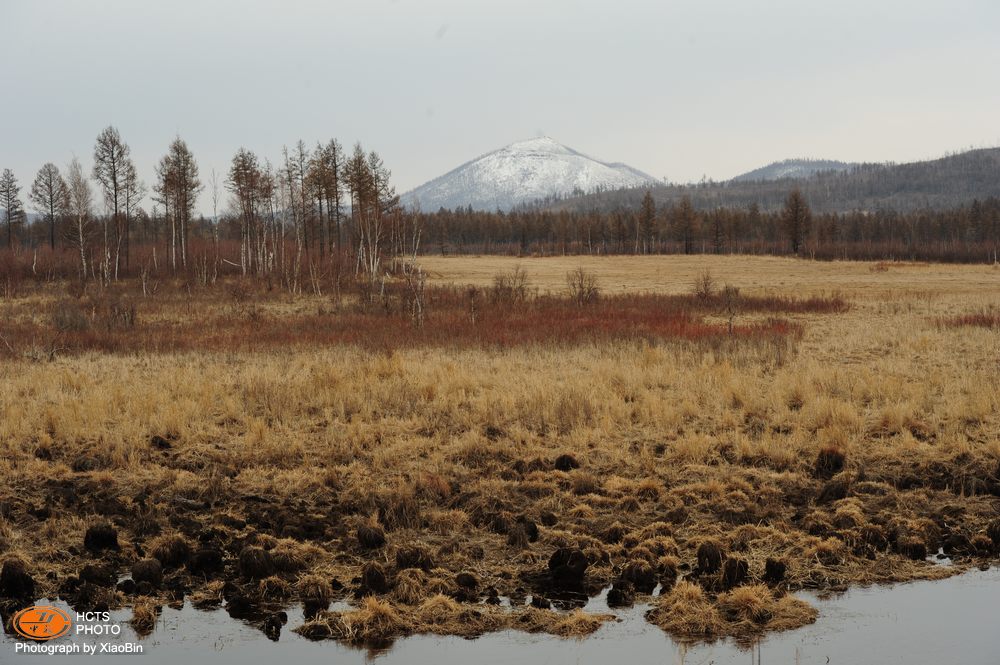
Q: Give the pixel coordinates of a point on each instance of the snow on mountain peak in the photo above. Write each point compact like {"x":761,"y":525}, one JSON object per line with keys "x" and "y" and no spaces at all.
{"x":541,"y":144}
{"x":522,"y":172}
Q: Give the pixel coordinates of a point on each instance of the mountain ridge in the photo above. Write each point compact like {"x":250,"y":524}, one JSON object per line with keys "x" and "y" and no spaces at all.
{"x":522,"y":173}
{"x":936,"y":184}
{"x":794,"y":168}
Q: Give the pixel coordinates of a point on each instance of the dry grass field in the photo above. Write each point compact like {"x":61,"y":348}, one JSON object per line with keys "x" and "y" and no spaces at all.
{"x":753,"y":274}
{"x":244,"y":447}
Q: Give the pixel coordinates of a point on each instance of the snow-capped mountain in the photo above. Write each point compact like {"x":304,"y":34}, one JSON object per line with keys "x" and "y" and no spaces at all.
{"x":793,"y":168}
{"x":523,"y":172}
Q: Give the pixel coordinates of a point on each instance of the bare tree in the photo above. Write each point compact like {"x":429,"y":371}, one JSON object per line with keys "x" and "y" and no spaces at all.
{"x":358,"y":183}
{"x":583,"y":286}
{"x":245,"y":183}
{"x":271,"y":243}
{"x":704,"y":285}
{"x":80,"y":204}
{"x":647,"y":223}
{"x":685,"y":222}
{"x":10,"y":199}
{"x":717,"y":222}
{"x":215,"y":195}
{"x":416,"y":228}
{"x":324,"y":179}
{"x":215,"y":222}
{"x":292,"y":178}
{"x":416,"y":282}
{"x":114,"y":170}
{"x":333,"y":157}
{"x":163,"y":194}
{"x":303,"y":182}
{"x":796,"y":219}
{"x":50,"y":196}
{"x":177,"y":188}
{"x":135,"y":190}
{"x":374,"y":201}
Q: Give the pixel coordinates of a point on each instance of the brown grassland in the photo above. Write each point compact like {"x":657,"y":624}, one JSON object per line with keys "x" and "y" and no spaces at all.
{"x":837,"y":426}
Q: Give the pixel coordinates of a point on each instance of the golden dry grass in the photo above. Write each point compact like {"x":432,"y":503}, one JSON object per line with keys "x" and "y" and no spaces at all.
{"x":145,"y":613}
{"x":753,"y":274}
{"x":292,"y":450}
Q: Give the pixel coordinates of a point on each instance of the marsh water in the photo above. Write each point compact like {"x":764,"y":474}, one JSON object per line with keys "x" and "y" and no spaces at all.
{"x":920,"y":623}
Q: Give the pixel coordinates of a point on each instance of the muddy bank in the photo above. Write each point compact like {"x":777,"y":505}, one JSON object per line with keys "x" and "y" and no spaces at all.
{"x":715,"y":550}
{"x":920,"y":623}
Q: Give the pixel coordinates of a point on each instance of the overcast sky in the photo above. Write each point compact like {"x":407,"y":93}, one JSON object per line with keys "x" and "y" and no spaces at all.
{"x":679,"y":89}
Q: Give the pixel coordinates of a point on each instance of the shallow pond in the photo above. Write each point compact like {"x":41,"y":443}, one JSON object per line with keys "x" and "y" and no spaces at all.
{"x":933,"y":623}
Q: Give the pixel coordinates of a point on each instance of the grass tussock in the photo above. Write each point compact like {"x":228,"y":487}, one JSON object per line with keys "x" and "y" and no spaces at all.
{"x":687,"y":612}
{"x":145,"y":613}
{"x":374,"y":622}
{"x":579,"y":624}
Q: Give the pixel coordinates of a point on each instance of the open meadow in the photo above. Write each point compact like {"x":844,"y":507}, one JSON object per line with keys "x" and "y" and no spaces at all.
{"x":410,"y":461}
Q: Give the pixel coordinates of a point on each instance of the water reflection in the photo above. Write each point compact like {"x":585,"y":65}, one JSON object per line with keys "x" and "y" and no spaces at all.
{"x":921,"y":623}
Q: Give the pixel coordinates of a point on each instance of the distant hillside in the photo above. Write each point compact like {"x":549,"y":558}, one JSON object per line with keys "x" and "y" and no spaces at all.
{"x":522,"y":173}
{"x":937,"y":184}
{"x":29,"y":217}
{"x":793,"y":168}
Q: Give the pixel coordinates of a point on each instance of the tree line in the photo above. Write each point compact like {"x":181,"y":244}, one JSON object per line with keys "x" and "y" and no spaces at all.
{"x":325,"y":213}
{"x":287,"y":220}
{"x":967,"y":233}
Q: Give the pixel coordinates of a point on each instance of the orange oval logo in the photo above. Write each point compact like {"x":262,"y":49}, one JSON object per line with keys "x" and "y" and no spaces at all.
{"x":41,"y":622}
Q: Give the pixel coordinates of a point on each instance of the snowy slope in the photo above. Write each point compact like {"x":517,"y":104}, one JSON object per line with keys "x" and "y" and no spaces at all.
{"x":793,"y":168}
{"x":522,"y":172}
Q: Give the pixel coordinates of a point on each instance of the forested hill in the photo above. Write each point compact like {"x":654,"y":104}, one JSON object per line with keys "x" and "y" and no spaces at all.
{"x":794,"y":168}
{"x":937,"y":184}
